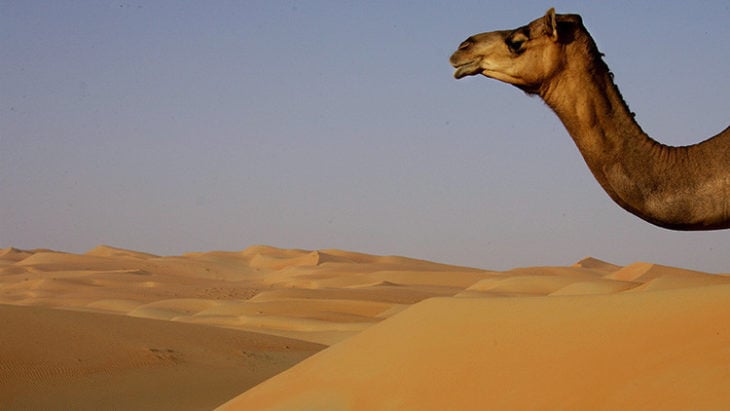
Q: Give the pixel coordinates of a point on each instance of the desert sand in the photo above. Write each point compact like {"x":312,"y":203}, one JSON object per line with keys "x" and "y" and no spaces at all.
{"x":268,"y":328}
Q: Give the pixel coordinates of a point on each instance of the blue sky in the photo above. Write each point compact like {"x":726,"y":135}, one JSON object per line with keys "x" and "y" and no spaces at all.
{"x":170,"y":127}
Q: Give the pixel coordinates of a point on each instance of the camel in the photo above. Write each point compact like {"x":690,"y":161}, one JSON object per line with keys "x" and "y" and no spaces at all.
{"x":554,"y":57}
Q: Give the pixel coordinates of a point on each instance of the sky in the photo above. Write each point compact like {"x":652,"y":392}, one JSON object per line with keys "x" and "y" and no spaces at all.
{"x":176,"y":126}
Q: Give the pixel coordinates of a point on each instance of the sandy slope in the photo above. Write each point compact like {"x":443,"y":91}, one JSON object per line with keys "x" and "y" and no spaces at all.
{"x":404,"y":333}
{"x":660,"y":350}
{"x":58,"y":359}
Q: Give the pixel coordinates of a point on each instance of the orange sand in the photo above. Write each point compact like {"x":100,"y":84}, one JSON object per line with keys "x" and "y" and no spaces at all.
{"x":125,"y":329}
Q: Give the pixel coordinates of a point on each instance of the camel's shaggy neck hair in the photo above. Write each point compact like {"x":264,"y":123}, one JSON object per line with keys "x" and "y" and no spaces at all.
{"x":600,"y":68}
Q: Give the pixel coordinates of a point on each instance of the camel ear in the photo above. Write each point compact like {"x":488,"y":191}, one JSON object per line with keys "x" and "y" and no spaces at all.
{"x":551,"y":24}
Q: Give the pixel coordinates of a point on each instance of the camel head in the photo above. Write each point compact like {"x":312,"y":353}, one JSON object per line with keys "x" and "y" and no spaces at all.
{"x":527,"y":57}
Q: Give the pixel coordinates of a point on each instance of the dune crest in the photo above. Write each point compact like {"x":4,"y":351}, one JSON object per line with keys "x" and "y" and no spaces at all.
{"x":596,"y":264}
{"x":11,"y":254}
{"x":109,"y":251}
{"x":644,"y":272}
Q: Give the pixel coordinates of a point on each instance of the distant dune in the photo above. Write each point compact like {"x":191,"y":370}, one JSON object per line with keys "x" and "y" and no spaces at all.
{"x":128,"y":329}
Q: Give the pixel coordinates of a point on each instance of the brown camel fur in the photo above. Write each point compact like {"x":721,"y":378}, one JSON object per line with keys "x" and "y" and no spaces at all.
{"x":680,"y":188}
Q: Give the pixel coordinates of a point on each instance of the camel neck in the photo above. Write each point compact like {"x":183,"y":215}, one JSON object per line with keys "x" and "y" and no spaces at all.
{"x":596,"y":116}
{"x":661,"y":184}
{"x":615,"y":148}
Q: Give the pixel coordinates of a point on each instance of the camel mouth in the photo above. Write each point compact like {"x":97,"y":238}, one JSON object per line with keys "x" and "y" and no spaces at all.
{"x":470,"y":68}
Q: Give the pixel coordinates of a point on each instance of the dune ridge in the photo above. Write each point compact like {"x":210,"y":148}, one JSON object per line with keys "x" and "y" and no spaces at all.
{"x":444,"y":318}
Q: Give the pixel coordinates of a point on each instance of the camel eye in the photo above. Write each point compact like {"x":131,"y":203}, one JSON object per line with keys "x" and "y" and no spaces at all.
{"x":515,"y":44}
{"x":465,"y":44}
{"x":517,"y":39}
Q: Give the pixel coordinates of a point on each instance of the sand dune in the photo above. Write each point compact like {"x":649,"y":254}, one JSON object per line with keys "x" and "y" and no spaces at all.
{"x":355,"y":288}
{"x":108,"y":251}
{"x":663,"y":350}
{"x":59,"y":359}
{"x":402,"y":333}
{"x":596,"y":264}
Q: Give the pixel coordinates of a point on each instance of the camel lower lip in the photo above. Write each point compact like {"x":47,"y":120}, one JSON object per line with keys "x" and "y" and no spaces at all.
{"x":459,"y":74}
{"x":468,"y":69}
